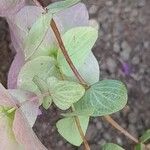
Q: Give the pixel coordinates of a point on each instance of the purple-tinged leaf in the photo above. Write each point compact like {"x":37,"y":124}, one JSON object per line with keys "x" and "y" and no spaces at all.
{"x":20,"y":24}
{"x":74,"y":16}
{"x":9,"y":7}
{"x":16,"y":65}
{"x":24,"y":133}
{"x":5,"y":98}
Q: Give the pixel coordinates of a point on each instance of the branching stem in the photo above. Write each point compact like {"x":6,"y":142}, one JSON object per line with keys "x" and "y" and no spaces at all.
{"x":82,"y":81}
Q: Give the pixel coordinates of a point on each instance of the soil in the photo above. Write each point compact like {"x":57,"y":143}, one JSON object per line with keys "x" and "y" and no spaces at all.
{"x":123,"y":52}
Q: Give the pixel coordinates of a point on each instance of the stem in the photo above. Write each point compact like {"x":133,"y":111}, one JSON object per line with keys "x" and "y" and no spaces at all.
{"x":76,"y":73}
{"x":87,"y":147}
{"x":118,"y":127}
{"x":65,"y":53}
{"x":38,"y":4}
{"x":82,"y":81}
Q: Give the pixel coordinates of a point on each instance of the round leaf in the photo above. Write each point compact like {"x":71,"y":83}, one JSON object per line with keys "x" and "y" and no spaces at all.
{"x":43,"y":67}
{"x":68,"y":129}
{"x":64,"y":93}
{"x":78,"y":43}
{"x":36,"y":34}
{"x":89,"y":70}
{"x":105,"y":97}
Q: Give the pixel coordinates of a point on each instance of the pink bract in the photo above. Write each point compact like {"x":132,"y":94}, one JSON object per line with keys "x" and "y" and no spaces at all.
{"x":9,"y":7}
{"x":16,"y":65}
{"x":16,"y":133}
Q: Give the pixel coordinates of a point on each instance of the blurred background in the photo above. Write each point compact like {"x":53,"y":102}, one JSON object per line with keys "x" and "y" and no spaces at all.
{"x":123,"y":52}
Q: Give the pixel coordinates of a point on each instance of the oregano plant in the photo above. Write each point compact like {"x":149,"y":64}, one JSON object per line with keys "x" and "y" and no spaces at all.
{"x":54,"y":64}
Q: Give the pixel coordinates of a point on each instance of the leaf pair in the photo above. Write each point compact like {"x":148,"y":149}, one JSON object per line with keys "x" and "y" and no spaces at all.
{"x":79,"y":52}
{"x":62,"y":93}
{"x":37,"y":34}
{"x":43,"y":67}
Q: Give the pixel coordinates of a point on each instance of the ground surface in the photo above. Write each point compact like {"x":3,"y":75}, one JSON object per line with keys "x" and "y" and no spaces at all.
{"x":123,"y":51}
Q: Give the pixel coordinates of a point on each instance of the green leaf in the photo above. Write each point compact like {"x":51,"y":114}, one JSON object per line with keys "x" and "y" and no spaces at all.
{"x":68,"y":129}
{"x":145,"y":137}
{"x":140,"y":146}
{"x":64,"y":93}
{"x":43,"y":67}
{"x":105,"y":97}
{"x":43,"y":87}
{"x":87,"y":112}
{"x":89,"y":70}
{"x":47,"y":102}
{"x":62,"y":5}
{"x":6,"y":124}
{"x":36,"y":34}
{"x":111,"y":146}
{"x":78,"y":43}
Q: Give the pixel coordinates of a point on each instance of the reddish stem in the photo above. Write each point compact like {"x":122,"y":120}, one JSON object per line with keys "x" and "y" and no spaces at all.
{"x":65,"y":53}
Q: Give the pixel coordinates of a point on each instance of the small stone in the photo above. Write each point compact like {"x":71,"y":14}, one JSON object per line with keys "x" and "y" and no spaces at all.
{"x":93,"y":23}
{"x":134,"y":13}
{"x":60,"y":143}
{"x":132,"y":130}
{"x":146,"y":44}
{"x":125,"y":54}
{"x":109,"y":3}
{"x":132,"y":118}
{"x":135,"y":60}
{"x":116,"y":47}
{"x":98,"y":125}
{"x":107,"y":136}
{"x":111,"y":64}
{"x":141,"y":3}
{"x":93,"y":9}
{"x":136,"y":76}
{"x":91,"y":132}
{"x":102,"y":16}
{"x":145,"y":89}
{"x":142,"y":19}
{"x":119,"y":141}
{"x":102,"y":142}
{"x":125,"y":46}
{"x":94,"y":147}
{"x":127,"y":9}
